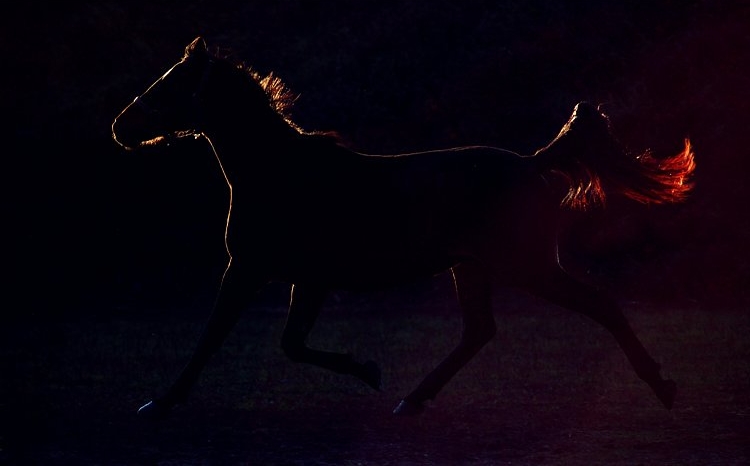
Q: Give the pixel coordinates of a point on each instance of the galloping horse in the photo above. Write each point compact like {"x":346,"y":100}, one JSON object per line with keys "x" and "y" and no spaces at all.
{"x":307,"y":211}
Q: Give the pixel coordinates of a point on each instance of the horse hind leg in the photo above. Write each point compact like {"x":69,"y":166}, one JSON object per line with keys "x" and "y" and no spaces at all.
{"x":304,"y":307}
{"x":474,"y":298}
{"x":561,"y":289}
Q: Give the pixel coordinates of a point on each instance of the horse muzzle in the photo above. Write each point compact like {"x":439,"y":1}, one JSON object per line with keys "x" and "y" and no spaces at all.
{"x":134,"y":126}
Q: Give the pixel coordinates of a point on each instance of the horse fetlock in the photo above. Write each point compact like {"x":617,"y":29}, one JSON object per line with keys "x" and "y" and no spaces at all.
{"x":369,"y":373}
{"x":665,"y":391}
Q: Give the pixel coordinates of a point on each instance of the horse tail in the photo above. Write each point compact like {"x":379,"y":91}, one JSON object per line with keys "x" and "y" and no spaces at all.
{"x":593,"y":163}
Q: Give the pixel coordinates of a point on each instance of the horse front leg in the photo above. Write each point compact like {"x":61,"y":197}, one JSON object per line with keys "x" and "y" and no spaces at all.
{"x":562,"y":289}
{"x":235,"y":293}
{"x":475,"y":300}
{"x":304,"y":308}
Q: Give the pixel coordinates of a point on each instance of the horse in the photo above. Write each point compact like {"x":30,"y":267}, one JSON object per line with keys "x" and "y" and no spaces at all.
{"x":308,"y":211}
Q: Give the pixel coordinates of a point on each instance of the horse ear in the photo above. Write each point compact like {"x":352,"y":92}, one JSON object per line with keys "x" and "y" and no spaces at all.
{"x":196,"y":47}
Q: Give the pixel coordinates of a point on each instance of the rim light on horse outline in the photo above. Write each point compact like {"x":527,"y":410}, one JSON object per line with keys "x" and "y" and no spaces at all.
{"x":306,"y":210}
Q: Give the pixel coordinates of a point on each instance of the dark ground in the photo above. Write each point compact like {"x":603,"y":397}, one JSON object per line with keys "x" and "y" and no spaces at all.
{"x":551,"y":389}
{"x":112,"y":256}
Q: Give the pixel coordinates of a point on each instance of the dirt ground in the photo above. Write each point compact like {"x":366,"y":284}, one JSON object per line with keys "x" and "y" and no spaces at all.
{"x":550,"y":389}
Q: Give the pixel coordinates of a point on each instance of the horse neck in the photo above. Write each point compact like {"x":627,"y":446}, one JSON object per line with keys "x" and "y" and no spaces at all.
{"x":247,"y":148}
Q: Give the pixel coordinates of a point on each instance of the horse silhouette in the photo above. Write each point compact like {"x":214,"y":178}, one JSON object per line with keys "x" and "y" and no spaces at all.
{"x":308,"y":211}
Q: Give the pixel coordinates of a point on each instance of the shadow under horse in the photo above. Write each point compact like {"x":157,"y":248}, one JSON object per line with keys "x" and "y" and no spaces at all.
{"x":306,"y":210}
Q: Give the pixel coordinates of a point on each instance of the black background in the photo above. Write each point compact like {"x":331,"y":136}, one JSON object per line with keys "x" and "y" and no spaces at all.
{"x":93,"y":230}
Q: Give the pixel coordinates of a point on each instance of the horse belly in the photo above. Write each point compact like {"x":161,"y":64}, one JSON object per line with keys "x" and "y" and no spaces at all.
{"x":358,"y":263}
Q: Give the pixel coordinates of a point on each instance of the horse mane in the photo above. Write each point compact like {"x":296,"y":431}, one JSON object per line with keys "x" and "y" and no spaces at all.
{"x":279,"y":96}
{"x":593,"y":163}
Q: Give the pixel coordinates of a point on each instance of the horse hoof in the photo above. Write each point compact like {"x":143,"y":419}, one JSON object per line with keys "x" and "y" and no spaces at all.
{"x":153,"y":411}
{"x":407,"y":408}
{"x":666,"y":391}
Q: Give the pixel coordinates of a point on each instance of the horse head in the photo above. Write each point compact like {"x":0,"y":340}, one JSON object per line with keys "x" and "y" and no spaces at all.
{"x":202,"y":94}
{"x":171,"y":106}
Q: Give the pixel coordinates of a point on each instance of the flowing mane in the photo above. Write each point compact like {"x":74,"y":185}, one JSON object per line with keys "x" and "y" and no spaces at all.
{"x":280,"y":98}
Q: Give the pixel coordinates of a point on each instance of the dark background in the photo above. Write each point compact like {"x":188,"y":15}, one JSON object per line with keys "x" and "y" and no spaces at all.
{"x":92,"y":230}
